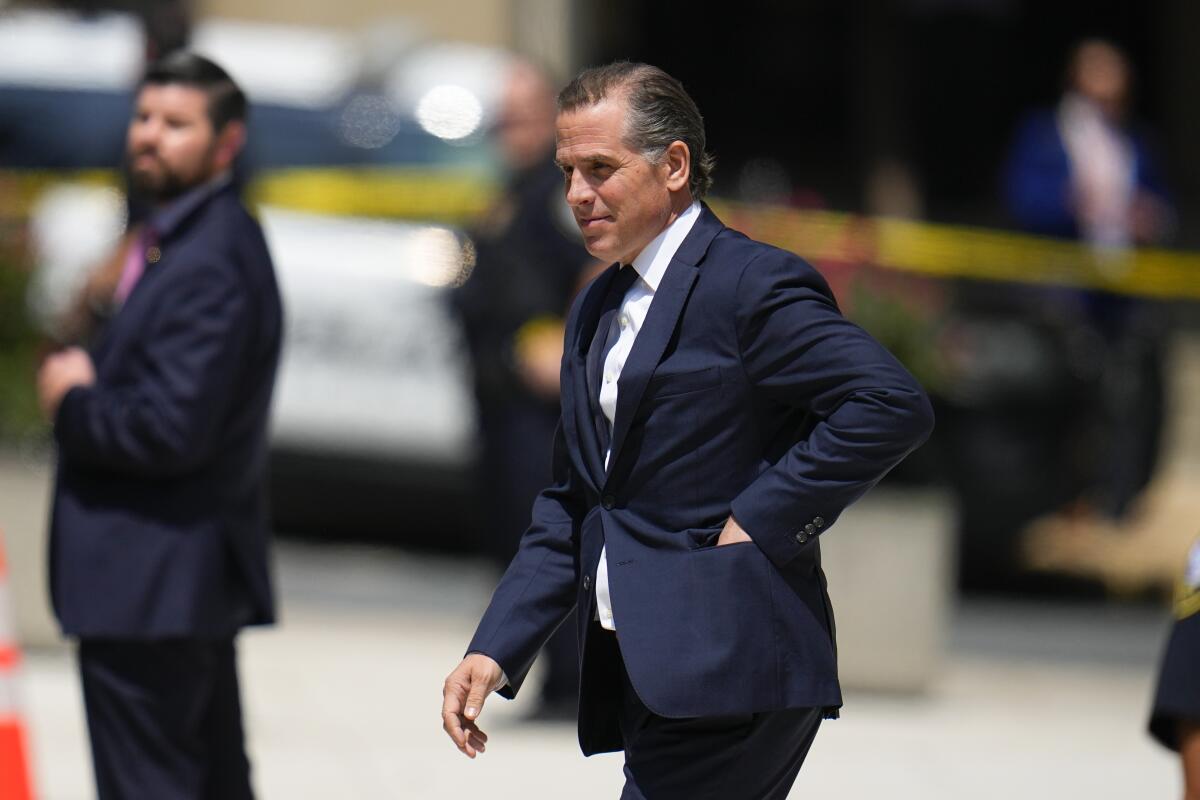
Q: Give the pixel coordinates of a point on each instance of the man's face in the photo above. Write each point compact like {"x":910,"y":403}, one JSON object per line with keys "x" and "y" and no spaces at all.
{"x":1102,"y":75}
{"x":171,"y":143}
{"x":619,"y":199}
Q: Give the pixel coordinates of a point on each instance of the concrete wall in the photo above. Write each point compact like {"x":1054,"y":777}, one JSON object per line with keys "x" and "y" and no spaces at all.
{"x":540,"y":29}
{"x":478,"y":21}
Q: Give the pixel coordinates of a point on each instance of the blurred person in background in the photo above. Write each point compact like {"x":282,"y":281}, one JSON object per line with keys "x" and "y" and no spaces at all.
{"x":159,"y":536}
{"x":530,"y":262}
{"x":718,"y":414}
{"x":1175,"y":717}
{"x":1083,"y":171}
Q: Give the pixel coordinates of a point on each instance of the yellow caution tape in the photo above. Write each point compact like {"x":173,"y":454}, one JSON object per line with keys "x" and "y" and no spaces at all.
{"x":427,"y":194}
{"x":952,"y":251}
{"x":405,"y":193}
{"x":1187,"y":591}
{"x":923,"y":248}
{"x":20,"y":189}
{"x":1187,"y":605}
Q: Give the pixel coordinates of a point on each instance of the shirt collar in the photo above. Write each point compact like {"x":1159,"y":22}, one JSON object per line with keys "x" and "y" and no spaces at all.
{"x":651,"y":264}
{"x":166,"y":218}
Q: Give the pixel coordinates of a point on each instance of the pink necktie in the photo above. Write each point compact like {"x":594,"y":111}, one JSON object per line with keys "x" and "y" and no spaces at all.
{"x":135,"y":265}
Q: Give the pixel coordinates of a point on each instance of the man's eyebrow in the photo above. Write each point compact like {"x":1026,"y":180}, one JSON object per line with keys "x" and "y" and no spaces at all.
{"x":590,"y":158}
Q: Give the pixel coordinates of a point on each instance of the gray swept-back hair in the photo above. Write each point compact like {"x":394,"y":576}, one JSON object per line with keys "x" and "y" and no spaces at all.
{"x":660,"y":112}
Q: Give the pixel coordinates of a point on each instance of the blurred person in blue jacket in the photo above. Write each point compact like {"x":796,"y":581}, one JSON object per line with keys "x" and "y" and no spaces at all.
{"x":159,"y":535}
{"x":1175,"y":716}
{"x":530,"y":262}
{"x":1082,"y":171}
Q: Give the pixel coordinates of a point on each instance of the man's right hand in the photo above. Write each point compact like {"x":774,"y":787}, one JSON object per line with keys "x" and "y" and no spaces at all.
{"x":462,"y":701}
{"x":60,"y":373}
{"x":1189,"y":749}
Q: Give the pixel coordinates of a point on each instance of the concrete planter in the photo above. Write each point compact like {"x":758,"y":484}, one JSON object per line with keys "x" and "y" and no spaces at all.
{"x":889,"y":560}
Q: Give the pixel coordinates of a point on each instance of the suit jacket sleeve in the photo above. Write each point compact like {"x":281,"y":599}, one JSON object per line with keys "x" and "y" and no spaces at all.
{"x":866,"y":411}
{"x":165,"y":420}
{"x":539,"y":589}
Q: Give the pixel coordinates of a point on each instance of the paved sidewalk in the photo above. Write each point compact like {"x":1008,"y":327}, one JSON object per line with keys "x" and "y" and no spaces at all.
{"x":343,"y":701}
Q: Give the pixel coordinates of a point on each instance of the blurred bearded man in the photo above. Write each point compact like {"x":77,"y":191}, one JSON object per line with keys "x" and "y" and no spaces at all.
{"x":159,"y":538}
{"x":718,"y":414}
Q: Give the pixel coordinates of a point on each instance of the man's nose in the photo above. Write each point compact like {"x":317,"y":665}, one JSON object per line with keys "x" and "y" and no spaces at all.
{"x":144,"y":132}
{"x":578,"y":190}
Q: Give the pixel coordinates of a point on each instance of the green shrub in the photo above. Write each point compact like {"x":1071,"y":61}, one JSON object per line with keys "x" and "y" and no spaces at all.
{"x":19,"y":416}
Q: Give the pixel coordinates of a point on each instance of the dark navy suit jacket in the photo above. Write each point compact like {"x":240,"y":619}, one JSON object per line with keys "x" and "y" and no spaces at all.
{"x":159,"y":522}
{"x":746,"y":392}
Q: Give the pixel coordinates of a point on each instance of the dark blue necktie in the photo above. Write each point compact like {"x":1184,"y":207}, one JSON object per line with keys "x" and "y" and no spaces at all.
{"x":620,"y":285}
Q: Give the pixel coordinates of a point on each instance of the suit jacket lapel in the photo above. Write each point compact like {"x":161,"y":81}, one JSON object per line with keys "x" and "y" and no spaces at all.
{"x":132,"y":313}
{"x":577,"y":412}
{"x":661,"y":321}
{"x":168,"y":224}
{"x":649,"y":345}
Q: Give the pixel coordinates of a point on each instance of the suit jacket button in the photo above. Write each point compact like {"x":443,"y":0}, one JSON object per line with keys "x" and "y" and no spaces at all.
{"x":819,"y":522}
{"x":810,"y":529}
{"x":587,"y":583}
{"x":801,"y":538}
{"x":608,"y":501}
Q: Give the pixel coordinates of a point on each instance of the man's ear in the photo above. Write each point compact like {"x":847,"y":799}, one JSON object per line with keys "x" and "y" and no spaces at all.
{"x":230,"y":142}
{"x":678,"y":160}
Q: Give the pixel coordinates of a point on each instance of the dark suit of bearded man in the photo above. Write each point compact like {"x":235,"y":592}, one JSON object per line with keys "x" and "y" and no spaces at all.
{"x":718,"y":415}
{"x":159,"y":536}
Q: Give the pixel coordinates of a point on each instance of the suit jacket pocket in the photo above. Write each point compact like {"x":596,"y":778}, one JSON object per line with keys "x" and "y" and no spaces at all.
{"x":673,"y":383}
{"x":730,"y":612}
{"x":721,"y":547}
{"x":700,"y":538}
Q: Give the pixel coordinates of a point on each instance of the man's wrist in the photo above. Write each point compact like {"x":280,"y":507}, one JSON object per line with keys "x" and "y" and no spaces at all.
{"x":61,"y":409}
{"x":503,"y":675}
{"x":733,"y":533}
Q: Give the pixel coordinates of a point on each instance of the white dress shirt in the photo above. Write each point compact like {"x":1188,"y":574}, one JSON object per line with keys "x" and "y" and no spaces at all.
{"x":650,"y":264}
{"x":1103,"y":171}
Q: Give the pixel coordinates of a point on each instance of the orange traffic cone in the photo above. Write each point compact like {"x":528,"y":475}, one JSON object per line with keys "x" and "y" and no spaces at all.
{"x":15,"y":782}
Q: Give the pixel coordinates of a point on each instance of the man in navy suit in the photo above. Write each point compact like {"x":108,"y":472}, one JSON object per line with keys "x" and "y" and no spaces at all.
{"x":159,"y":533}
{"x":718,"y":414}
